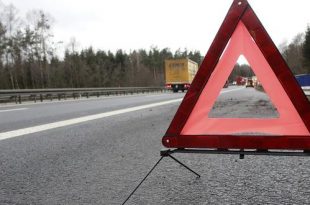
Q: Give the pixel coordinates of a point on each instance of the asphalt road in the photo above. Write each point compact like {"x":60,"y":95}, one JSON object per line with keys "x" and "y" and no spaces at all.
{"x":100,"y":161}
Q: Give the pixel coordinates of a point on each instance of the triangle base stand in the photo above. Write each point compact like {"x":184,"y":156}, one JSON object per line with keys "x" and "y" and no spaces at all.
{"x":163,"y":154}
{"x":241,"y":153}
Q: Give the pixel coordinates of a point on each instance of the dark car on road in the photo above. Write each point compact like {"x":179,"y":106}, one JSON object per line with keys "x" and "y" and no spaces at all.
{"x":249,"y":83}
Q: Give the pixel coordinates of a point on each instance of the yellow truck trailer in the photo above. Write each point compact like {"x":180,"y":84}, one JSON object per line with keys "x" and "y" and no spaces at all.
{"x":180,"y":73}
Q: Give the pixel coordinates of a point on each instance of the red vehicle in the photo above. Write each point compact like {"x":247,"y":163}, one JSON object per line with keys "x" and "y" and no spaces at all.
{"x":240,"y":80}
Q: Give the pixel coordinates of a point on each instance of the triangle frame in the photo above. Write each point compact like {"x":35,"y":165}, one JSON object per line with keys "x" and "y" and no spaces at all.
{"x":288,"y":121}
{"x":240,"y":11}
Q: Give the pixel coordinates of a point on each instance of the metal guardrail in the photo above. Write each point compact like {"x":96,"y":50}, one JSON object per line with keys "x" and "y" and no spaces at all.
{"x":18,"y":96}
{"x":307,"y":91}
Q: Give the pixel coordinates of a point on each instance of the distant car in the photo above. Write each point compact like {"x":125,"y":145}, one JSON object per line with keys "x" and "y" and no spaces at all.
{"x":226,"y":84}
{"x":249,"y":83}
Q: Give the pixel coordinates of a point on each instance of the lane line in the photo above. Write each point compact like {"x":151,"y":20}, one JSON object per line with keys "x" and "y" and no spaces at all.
{"x":227,"y":91}
{"x":44,"y":127}
{"x":17,"y":109}
{"x":63,"y":123}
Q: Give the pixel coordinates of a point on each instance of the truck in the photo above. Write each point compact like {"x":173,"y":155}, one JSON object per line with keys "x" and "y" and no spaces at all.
{"x":179,"y":74}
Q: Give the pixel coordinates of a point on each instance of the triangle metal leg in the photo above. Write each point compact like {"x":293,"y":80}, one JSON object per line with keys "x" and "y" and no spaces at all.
{"x":142,"y":180}
{"x":166,"y":153}
{"x":198,"y":176}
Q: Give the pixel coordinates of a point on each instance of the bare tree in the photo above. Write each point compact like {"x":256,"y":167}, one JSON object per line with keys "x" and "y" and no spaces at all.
{"x":11,"y":23}
{"x":292,"y":53}
{"x":40,"y":23}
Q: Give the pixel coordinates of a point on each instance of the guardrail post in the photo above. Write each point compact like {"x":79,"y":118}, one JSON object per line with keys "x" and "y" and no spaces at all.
{"x":19,"y":99}
{"x":41,"y":97}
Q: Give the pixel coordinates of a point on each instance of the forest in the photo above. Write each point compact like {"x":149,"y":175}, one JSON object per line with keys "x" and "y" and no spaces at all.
{"x":29,"y":57}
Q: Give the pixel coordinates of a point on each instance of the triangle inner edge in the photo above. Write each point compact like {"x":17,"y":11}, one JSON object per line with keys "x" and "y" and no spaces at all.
{"x":243,"y":96}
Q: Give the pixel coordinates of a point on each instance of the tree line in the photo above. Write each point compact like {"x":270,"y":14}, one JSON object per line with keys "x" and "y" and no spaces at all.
{"x":29,"y":57}
{"x":297,"y":53}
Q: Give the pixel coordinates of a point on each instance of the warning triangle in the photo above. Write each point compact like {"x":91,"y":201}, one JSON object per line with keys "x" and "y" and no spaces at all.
{"x":242,"y":34}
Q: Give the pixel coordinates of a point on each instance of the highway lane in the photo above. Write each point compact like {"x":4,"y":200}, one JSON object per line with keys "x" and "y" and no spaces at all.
{"x":35,"y":114}
{"x":246,"y":103}
{"x":101,"y":161}
{"x":14,"y":118}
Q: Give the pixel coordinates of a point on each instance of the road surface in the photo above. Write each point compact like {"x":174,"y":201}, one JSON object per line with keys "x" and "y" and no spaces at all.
{"x":96,"y":151}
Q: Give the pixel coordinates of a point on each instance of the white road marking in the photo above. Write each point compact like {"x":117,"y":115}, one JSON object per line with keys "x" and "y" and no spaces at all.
{"x":227,"y":91}
{"x":49,"y":126}
{"x":40,"y":128}
{"x":11,"y":110}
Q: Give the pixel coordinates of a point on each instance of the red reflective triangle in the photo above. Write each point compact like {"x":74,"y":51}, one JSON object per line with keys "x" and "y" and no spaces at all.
{"x":242,"y":33}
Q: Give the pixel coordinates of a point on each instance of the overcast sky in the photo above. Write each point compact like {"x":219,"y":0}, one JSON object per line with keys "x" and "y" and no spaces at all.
{"x":134,"y":24}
